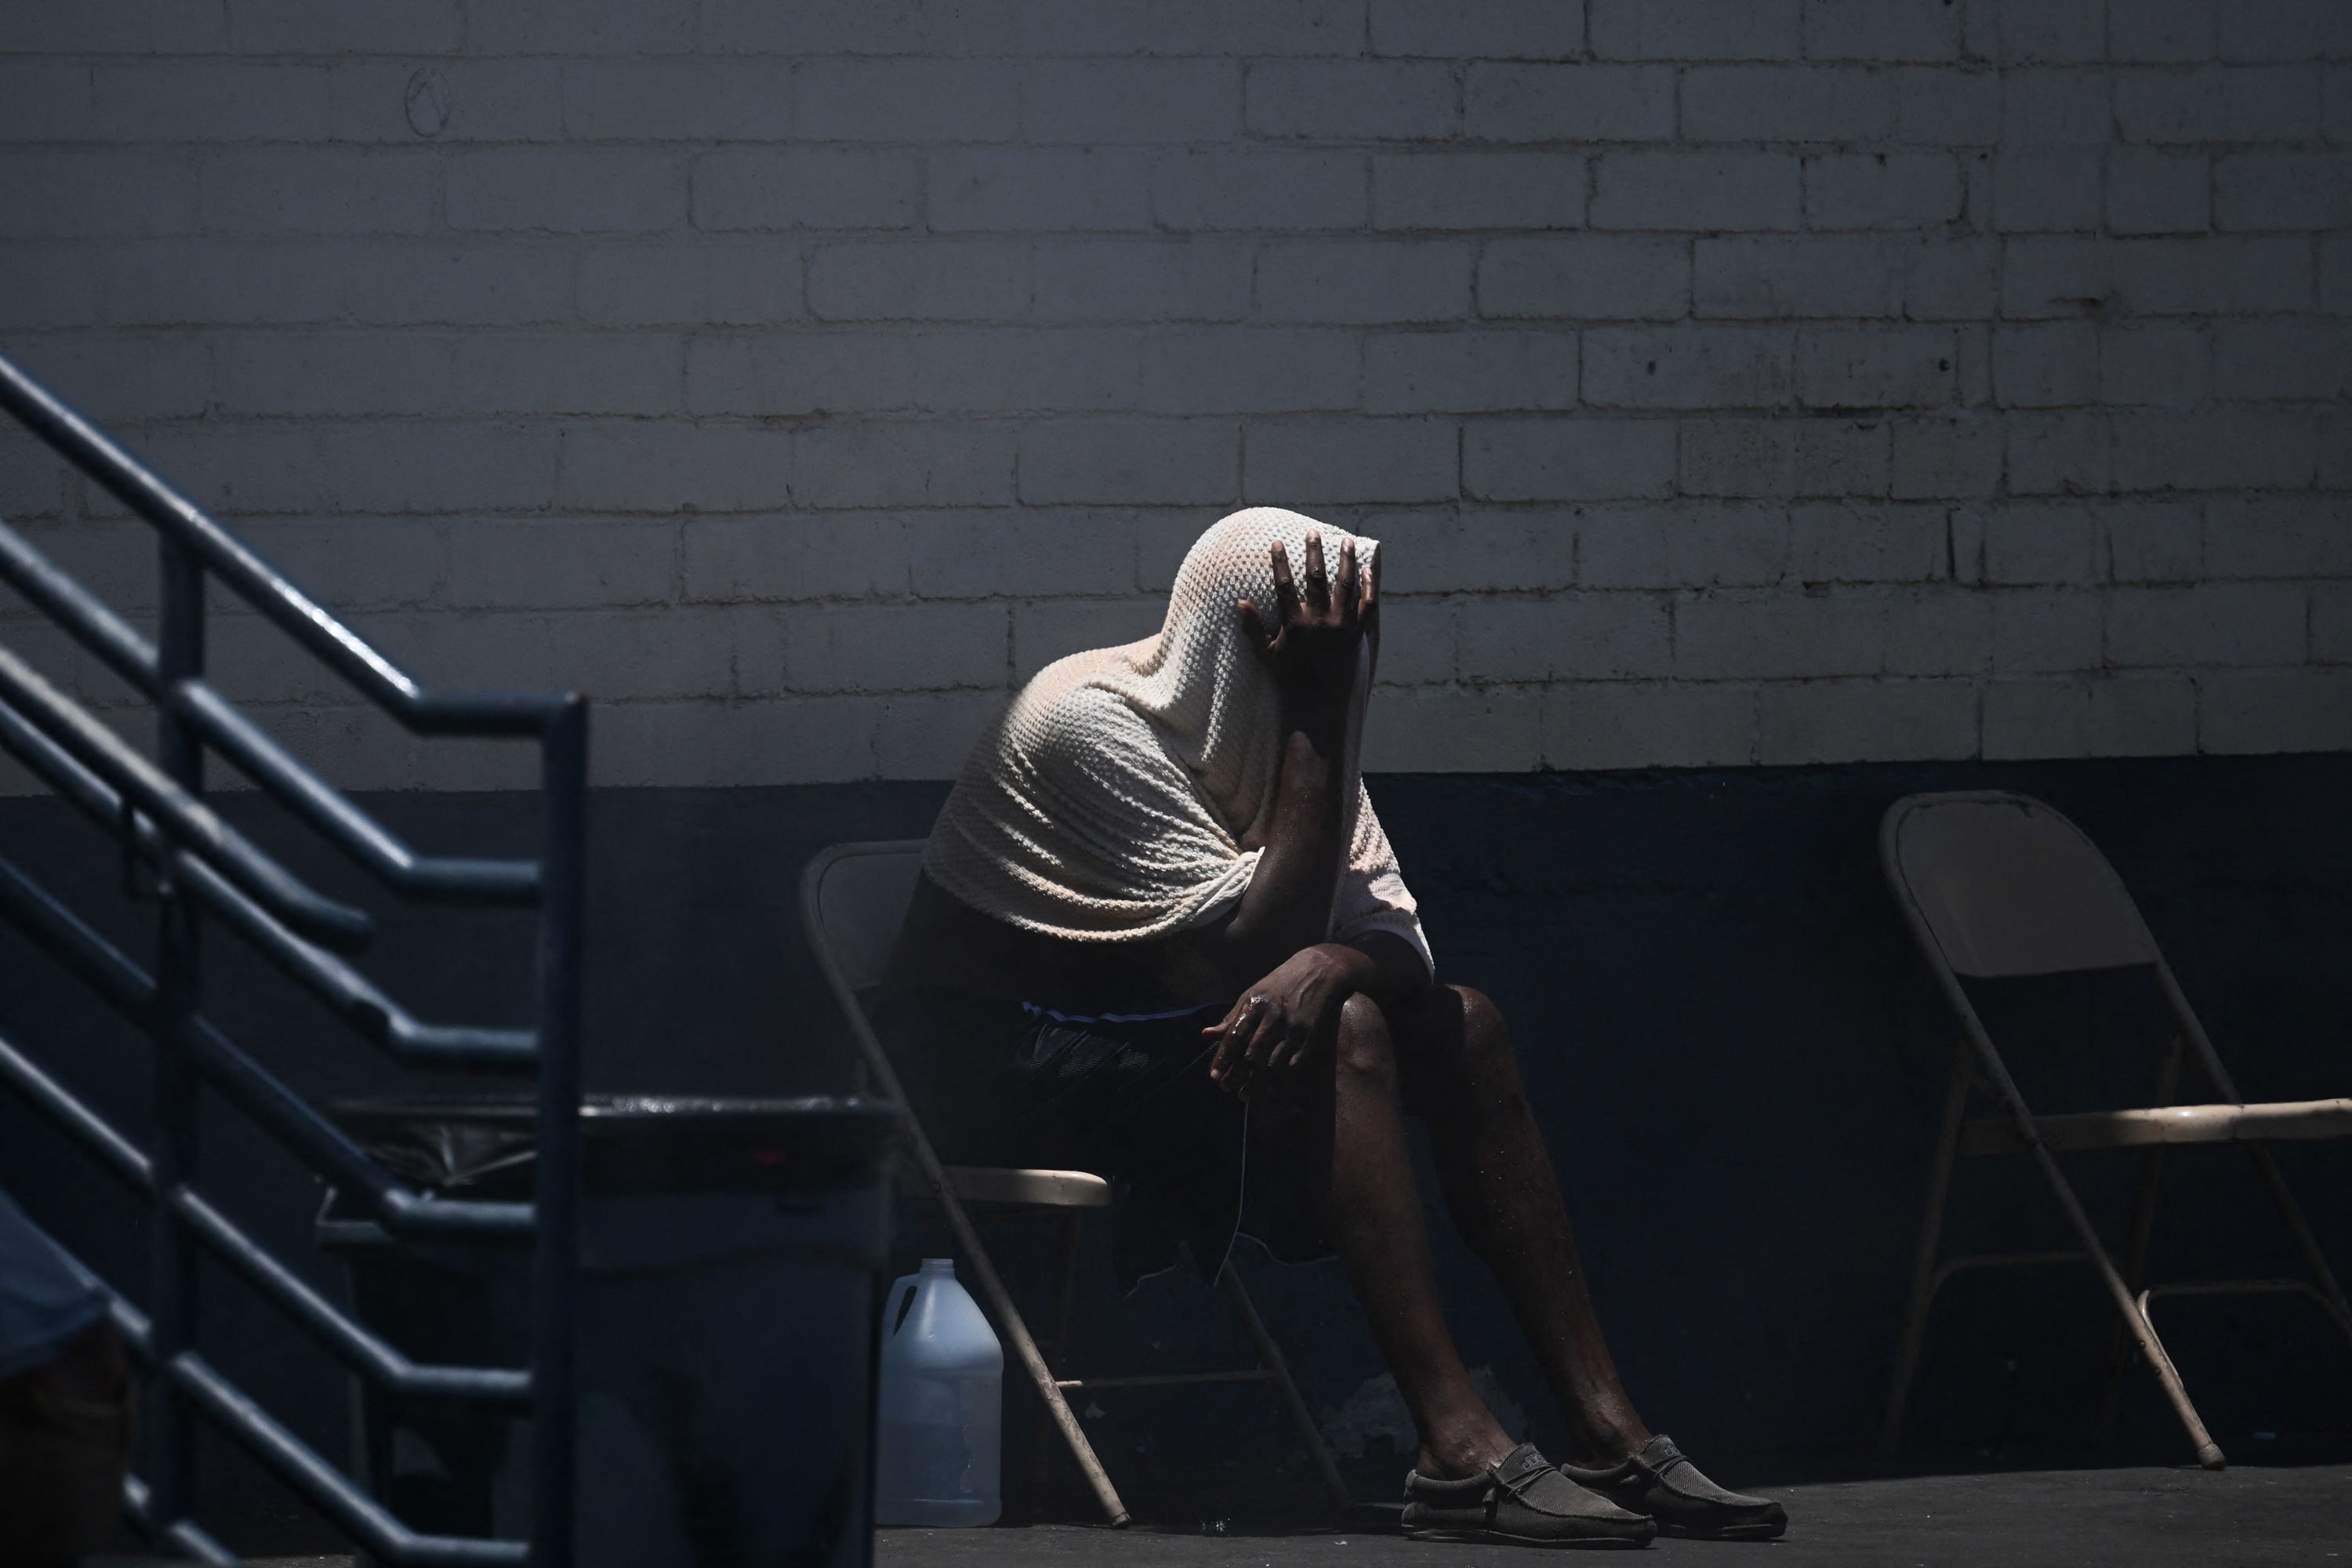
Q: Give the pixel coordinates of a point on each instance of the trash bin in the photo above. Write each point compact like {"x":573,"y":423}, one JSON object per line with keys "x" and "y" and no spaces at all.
{"x":730,"y":1275}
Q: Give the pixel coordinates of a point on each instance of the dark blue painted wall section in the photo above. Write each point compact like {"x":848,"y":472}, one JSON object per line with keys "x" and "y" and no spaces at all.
{"x":1726,"y":1037}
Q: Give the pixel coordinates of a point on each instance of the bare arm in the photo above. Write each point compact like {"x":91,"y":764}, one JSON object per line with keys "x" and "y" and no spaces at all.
{"x":1383,"y":966}
{"x":1311,"y":647}
{"x":1288,"y":904}
{"x":1277,"y":937}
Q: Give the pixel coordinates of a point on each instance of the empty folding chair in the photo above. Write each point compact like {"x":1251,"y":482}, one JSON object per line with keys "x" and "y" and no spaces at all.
{"x":1995,"y":885}
{"x":852,"y":899}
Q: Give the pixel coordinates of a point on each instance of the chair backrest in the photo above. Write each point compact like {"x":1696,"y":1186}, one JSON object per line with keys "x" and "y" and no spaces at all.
{"x":2007,"y":886}
{"x":853,"y":897}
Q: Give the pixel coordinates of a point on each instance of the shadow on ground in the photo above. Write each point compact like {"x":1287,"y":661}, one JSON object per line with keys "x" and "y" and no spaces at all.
{"x":1247,"y":1495}
{"x":2292,"y":1505}
{"x":2285,"y":1500}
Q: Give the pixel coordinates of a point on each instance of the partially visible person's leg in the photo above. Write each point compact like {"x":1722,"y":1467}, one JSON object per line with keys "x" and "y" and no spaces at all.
{"x":1345,"y":1134}
{"x":1470,"y":1482}
{"x":64,"y":1442}
{"x":1460,"y":1075}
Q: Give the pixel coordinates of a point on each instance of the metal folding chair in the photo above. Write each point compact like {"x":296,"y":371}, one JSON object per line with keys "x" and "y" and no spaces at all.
{"x":1995,"y":885}
{"x":853,"y":900}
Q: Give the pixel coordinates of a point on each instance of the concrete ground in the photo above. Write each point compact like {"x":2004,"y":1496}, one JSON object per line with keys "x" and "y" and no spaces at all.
{"x":2246,"y":1517}
{"x":2147,"y":1516}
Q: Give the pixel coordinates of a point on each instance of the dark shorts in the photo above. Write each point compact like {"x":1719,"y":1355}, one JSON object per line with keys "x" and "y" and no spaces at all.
{"x":1126,"y":1096}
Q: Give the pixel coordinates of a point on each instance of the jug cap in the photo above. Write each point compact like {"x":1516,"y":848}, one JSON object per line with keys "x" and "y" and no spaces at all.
{"x":938,"y":1266}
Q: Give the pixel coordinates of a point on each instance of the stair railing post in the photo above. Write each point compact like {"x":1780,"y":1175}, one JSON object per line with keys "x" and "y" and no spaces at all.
{"x":171,"y":1152}
{"x":555,"y":1304}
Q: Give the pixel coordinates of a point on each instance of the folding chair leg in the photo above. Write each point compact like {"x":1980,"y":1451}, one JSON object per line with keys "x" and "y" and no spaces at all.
{"x":999,"y":1302}
{"x":2313,"y":1259}
{"x":2143,"y":1225}
{"x":1271,"y":1355}
{"x":2005,"y":1090}
{"x":2135,"y":1266}
{"x":2323,"y":1278}
{"x":1923,"y":1267}
{"x":1066,"y":1278}
{"x":1065,"y":1285}
{"x":2143,"y":1332}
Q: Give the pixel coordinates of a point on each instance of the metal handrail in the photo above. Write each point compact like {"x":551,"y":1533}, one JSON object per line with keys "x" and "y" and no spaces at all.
{"x":131,"y":992}
{"x":178,"y":813}
{"x":259,"y":583}
{"x":201,"y":865}
{"x":294,"y":1461}
{"x":328,"y":810}
{"x":371,"y":1013}
{"x":184,"y":1536}
{"x":351,"y":1343}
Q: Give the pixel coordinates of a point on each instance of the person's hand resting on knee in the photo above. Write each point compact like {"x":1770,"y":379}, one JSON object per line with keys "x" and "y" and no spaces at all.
{"x":1277,"y":1024}
{"x":1312,"y":644}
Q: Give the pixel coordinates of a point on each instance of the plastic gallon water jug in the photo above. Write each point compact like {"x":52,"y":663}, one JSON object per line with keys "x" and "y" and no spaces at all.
{"x":942,"y":1403}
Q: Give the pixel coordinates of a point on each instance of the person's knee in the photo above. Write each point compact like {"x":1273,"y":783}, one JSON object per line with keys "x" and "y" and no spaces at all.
{"x":1484,"y":1034}
{"x":1455,"y":1054}
{"x":1365,"y":1048}
{"x":1452,"y":1027}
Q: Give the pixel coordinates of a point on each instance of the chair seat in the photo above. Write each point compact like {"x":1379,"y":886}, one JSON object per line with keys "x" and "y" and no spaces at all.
{"x":2169,"y":1124}
{"x":1011,"y":1187}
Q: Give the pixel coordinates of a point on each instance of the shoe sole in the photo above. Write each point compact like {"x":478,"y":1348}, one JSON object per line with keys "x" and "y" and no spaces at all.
{"x":1771,"y":1529}
{"x":1504,"y":1538}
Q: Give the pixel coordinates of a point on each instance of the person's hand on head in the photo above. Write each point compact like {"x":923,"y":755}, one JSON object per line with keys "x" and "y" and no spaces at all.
{"x":1311,"y":641}
{"x":1280,"y":1022}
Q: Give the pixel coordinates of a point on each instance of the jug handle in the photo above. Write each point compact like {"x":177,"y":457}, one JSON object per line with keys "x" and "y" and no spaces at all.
{"x":893,"y":1311}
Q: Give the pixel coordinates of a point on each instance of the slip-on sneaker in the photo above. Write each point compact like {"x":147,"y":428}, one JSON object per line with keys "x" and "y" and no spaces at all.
{"x":1522,"y":1501}
{"x":1661,"y":1481}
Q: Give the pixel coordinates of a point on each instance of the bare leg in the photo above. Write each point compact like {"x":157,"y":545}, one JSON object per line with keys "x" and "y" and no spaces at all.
{"x":1351,"y":1147}
{"x":1459,"y":1073}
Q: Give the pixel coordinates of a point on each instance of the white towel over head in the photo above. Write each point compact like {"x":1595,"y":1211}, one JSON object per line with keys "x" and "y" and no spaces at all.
{"x":1127,"y":792}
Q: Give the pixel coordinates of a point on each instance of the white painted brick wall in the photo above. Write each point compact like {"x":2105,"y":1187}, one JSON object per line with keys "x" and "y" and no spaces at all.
{"x":1733,"y":381}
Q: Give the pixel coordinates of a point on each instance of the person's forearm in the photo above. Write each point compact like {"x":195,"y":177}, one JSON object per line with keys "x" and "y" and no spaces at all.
{"x":1379,"y":965}
{"x":1288,"y":905}
{"x":1386,"y":967}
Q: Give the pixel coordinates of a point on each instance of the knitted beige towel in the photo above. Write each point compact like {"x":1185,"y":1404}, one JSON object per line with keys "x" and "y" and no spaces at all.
{"x":1127,"y":792}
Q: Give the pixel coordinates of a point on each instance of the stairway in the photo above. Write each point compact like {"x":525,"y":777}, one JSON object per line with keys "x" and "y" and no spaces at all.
{"x":201,"y":873}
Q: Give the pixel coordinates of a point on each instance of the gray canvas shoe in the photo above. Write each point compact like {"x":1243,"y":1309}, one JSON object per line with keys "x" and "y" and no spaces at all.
{"x":1661,"y":1481}
{"x":1522,"y":1501}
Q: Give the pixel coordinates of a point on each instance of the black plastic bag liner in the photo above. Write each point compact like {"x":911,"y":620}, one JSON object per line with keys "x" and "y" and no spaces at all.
{"x":630,"y":1143}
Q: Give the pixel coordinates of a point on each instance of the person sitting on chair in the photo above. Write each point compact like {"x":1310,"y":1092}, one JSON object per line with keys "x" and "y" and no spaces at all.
{"x":1161,"y":935}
